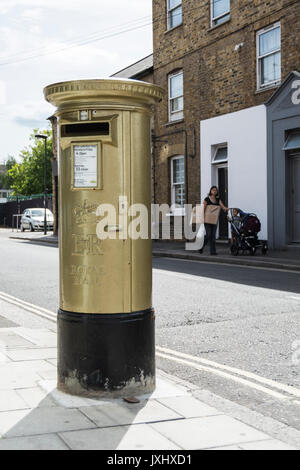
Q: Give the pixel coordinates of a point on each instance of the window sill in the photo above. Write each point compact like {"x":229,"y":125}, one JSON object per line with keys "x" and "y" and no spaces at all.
{"x":170,"y":123}
{"x":221,"y":162}
{"x":212,"y":28}
{"x":267,"y":88}
{"x":172,"y":29}
{"x":175,"y":214}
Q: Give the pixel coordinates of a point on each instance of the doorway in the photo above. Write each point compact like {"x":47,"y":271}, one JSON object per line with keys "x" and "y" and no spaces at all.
{"x":294,"y":197}
{"x":223,"y":192}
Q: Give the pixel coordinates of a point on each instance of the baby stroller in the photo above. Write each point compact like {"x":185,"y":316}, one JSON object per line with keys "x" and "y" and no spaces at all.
{"x":244,"y":233}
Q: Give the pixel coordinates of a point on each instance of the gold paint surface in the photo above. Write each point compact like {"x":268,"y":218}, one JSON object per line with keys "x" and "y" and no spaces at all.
{"x":112,"y":275}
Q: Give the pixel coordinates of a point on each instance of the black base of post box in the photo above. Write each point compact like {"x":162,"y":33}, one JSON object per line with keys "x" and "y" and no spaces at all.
{"x":111,"y":355}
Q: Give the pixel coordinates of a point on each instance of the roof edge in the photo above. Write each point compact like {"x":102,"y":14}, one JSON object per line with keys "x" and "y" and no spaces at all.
{"x":132,"y":65}
{"x":277,"y":92}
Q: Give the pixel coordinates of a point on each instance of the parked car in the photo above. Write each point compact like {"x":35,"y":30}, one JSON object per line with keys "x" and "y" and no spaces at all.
{"x":33,"y":219}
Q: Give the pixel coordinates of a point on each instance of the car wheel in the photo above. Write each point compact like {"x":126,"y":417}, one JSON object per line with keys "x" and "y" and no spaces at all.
{"x":31,"y":228}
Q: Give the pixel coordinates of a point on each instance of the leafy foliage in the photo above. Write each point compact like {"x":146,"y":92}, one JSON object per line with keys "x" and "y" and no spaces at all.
{"x":6,"y":180}
{"x":27,"y":177}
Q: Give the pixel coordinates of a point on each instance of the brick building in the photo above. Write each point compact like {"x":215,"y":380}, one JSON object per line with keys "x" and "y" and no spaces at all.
{"x":141,"y":70}
{"x":230,"y":69}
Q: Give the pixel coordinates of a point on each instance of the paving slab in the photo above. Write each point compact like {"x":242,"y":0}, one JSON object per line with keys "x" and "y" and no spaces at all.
{"x":32,"y":354}
{"x":52,"y":361}
{"x":9,"y":419}
{"x":227,"y":448}
{"x":10,"y":339}
{"x":113,"y":414}
{"x":42,"y":421}
{"x":35,"y":397}
{"x":45,"y":442}
{"x":208,"y":432}
{"x":39,"y":337}
{"x":189,"y":407}
{"x":13,"y":376}
{"x":50,"y":374}
{"x":166,"y":388}
{"x":3,"y":357}
{"x":68,"y":401}
{"x":137,"y":437}
{"x":22,"y":369}
{"x":10,"y":400}
{"x":272,"y":444}
{"x":5,"y":323}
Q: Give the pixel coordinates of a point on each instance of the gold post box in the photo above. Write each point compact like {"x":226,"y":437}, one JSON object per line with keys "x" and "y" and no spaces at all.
{"x":105,"y":319}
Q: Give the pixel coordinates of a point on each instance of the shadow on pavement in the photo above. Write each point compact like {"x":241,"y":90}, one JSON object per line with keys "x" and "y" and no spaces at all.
{"x":38,"y":242}
{"x":257,"y":277}
{"x":52,"y":426}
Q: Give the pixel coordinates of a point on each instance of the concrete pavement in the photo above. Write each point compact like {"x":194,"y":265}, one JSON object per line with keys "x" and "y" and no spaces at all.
{"x":35,"y":415}
{"x":278,"y":259}
{"x":288,"y":259}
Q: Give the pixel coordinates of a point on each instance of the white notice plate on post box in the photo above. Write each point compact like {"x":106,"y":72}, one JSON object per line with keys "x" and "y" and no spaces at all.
{"x":85,"y":166}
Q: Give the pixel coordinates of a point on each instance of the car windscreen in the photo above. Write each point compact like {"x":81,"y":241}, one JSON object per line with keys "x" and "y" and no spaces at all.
{"x":37,"y":213}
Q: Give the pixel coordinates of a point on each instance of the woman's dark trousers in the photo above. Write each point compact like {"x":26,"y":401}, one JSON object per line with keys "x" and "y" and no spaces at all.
{"x":210,"y":237}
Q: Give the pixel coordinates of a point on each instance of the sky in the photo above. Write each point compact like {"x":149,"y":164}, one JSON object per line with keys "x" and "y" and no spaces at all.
{"x":48,"y":41}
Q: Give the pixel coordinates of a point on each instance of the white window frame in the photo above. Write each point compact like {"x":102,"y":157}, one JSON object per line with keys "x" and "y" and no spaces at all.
{"x":170,"y":12}
{"x":176,"y":210}
{"x":214,"y":19}
{"x":259,"y":58}
{"x":215,"y":149}
{"x":175,"y":115}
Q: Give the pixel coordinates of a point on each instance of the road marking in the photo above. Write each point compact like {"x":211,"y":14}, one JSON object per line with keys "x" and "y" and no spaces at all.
{"x":226,"y":375}
{"x":189,"y":277}
{"x":294,"y":297}
{"x":41,"y":312}
{"x":214,"y":366}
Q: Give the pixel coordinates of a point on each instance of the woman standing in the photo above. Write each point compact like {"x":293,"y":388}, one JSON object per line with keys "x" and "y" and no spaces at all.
{"x":212,"y":199}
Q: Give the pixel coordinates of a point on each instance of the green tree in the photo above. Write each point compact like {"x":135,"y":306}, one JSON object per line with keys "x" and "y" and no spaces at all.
{"x":28,"y":176}
{"x":6,"y":180}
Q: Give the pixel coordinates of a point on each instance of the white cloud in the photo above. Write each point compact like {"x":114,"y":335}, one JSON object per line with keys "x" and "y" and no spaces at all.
{"x":2,"y":93}
{"x":34,"y":27}
{"x":29,"y":110}
{"x":33,"y":14}
{"x":76,"y":5}
{"x":81,"y":57}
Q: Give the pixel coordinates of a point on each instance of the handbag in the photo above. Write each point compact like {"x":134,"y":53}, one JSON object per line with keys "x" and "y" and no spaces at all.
{"x":211,"y":215}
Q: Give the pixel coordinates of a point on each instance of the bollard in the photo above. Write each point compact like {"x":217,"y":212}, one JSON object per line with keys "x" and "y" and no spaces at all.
{"x":105,"y":318}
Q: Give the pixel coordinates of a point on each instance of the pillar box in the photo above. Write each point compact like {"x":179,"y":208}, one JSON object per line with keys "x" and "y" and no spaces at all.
{"x":105,"y":317}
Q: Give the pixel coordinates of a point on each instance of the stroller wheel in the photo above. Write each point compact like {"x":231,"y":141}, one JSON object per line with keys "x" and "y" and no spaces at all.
{"x":252,"y":250}
{"x":264,"y":249}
